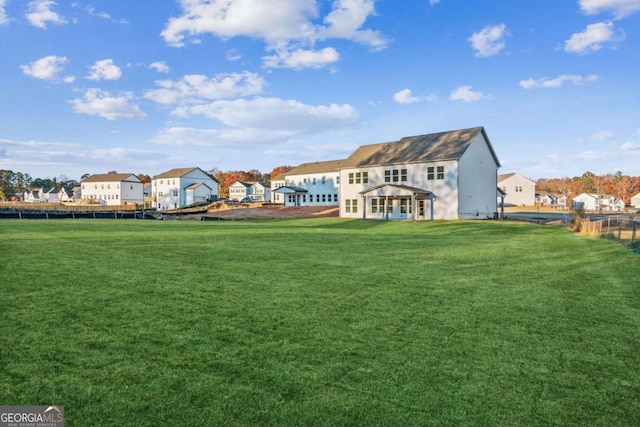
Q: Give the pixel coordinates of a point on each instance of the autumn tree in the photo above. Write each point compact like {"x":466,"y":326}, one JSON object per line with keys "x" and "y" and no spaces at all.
{"x":278,"y":170}
{"x":144,"y":178}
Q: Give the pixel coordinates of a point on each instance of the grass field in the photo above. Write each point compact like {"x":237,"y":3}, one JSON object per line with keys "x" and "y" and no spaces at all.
{"x":318,"y":322}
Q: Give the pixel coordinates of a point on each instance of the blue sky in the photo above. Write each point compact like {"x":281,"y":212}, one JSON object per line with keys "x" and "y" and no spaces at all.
{"x":143,"y":87}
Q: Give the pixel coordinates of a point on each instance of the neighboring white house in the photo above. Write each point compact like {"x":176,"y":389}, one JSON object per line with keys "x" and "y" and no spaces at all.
{"x":598,"y":202}
{"x":113,"y":189}
{"x":544,"y":198}
{"x":520,"y":191}
{"x":65,"y":194}
{"x":277,"y":182}
{"x":447,"y":175}
{"x":261,"y":192}
{"x":310,"y":184}
{"x":175,"y":188}
{"x":253,"y":190}
{"x":635,"y":201}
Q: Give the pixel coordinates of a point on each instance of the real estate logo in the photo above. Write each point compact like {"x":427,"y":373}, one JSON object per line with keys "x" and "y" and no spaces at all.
{"x":31,"y":416}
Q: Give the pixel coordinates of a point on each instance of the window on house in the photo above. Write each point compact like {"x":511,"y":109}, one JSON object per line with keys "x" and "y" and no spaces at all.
{"x":175,"y":193}
{"x":387,"y":176}
{"x":335,"y":197}
{"x":310,"y":198}
{"x":374,"y":206}
{"x":317,"y":198}
{"x":160,"y":181}
{"x":323,"y":179}
{"x":304,"y":198}
{"x":395,"y":175}
{"x":440,"y":171}
{"x":358,"y":177}
{"x":431,"y":173}
{"x":347,"y":206}
{"x":160,"y":194}
{"x":314,"y":181}
{"x":365,"y":177}
{"x":324,"y":198}
{"x":350,"y":177}
{"x":403,"y":175}
{"x":354,"y":205}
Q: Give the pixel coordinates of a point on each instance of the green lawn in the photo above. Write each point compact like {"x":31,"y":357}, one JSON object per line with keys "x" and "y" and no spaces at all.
{"x":318,"y":322}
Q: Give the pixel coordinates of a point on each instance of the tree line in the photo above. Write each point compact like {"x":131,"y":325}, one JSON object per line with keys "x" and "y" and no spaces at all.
{"x":620,"y":186}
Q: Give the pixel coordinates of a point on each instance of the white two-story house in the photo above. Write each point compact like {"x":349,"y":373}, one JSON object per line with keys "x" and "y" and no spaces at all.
{"x":113,"y":189}
{"x":519,"y":191}
{"x":310,"y":184}
{"x":181,"y":187}
{"x":446,"y":175}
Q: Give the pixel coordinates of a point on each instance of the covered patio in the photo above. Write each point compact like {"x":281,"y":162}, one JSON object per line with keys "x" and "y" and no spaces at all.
{"x":292,"y":195}
{"x":394,"y":201}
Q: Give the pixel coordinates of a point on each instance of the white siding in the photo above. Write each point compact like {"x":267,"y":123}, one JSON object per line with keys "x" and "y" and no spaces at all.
{"x":445,"y":188}
{"x":520,"y":191}
{"x":322,"y":188}
{"x":171,"y":193}
{"x":478,"y":181}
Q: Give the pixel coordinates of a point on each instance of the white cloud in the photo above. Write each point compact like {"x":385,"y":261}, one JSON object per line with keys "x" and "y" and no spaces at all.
{"x":46,"y":68}
{"x":197,"y":88}
{"x":603,"y":136}
{"x":619,"y":8}
{"x":4,"y":19}
{"x":557,"y":82}
{"x":284,"y":25}
{"x":40,"y":13}
{"x":105,"y":70}
{"x":302,"y":58}
{"x":218,"y":138}
{"x":466,"y":94}
{"x":434,"y":2}
{"x":160,"y":66}
{"x":287,"y":116}
{"x":488,"y":41}
{"x":592,"y":38}
{"x":97,"y":102}
{"x":233,"y":55}
{"x":345,"y":21}
{"x":630,"y":146}
{"x":405,"y":97}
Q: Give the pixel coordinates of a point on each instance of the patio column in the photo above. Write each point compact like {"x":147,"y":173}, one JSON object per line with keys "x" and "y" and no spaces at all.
{"x":432,"y":199}
{"x":386,"y":208}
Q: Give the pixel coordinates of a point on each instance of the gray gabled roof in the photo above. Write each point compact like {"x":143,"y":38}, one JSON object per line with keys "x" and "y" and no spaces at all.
{"x":432,"y":147}
{"x":317,"y":167}
{"x":111,"y":177}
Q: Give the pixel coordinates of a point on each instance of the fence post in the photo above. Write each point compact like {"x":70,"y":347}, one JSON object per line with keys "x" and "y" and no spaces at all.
{"x":633,"y":231}
{"x":619,"y":230}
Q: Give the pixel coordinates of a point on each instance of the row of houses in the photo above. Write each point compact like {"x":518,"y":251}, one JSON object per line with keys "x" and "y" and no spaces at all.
{"x":445,"y":175}
{"x":521,"y":191}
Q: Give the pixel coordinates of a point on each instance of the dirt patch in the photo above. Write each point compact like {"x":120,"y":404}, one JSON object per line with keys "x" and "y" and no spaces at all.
{"x":259,"y":211}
